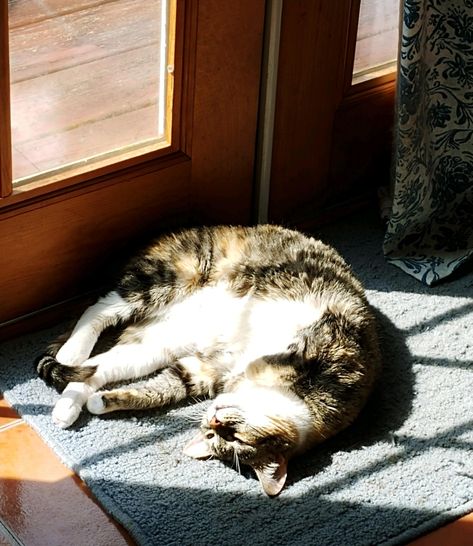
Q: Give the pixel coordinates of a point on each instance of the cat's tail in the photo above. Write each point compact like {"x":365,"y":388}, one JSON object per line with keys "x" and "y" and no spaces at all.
{"x":58,"y":375}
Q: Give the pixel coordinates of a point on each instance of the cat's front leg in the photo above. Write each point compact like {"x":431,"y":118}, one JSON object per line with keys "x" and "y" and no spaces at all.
{"x":69,"y":406}
{"x":187,"y":377}
{"x":122,"y":362}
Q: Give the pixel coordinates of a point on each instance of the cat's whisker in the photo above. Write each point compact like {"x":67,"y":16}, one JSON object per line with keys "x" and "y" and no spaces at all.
{"x":236,"y":460}
{"x":195,"y":415}
{"x":195,"y":419}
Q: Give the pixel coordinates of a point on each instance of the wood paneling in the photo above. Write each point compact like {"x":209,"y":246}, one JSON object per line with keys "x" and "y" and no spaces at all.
{"x":361,"y":143}
{"x":62,"y":247}
{"x":226,"y":108}
{"x":312,"y":56}
{"x":332,"y":140}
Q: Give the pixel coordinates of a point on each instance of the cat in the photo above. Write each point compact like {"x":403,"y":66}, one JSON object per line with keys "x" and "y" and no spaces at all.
{"x":270,"y":323}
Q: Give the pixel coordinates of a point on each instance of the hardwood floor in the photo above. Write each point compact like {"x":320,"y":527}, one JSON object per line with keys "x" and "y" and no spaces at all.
{"x":43,"y":502}
{"x":85,"y":77}
{"x":85,"y":74}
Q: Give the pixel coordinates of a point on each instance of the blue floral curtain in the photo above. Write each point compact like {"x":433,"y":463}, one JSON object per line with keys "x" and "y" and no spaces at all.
{"x":430,"y":230}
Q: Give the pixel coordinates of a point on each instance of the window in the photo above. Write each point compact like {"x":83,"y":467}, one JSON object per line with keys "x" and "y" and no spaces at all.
{"x":89,"y":83}
{"x":377,"y":39}
{"x":87,"y":78}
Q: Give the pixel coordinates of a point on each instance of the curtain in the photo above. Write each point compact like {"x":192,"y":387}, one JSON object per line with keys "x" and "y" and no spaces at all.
{"x":430,"y":229}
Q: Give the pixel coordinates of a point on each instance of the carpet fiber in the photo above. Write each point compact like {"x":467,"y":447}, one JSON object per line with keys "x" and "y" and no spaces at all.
{"x":404,"y":468}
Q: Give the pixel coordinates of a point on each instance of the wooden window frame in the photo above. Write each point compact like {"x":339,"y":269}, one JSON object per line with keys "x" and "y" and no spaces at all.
{"x":73,"y":178}
{"x":57,"y":237}
{"x":5,"y":138}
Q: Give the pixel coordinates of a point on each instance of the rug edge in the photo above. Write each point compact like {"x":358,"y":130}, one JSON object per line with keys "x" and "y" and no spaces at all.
{"x":432,"y":524}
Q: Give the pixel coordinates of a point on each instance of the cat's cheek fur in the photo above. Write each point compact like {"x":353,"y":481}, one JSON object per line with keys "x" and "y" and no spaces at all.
{"x":262,"y":405}
{"x":271,"y":475}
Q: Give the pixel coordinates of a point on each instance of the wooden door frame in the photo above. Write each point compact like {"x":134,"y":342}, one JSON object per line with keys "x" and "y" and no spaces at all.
{"x":314,"y":149}
{"x":56,"y":239}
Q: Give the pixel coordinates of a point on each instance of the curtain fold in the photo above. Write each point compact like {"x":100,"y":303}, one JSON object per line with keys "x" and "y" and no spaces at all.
{"x":430,"y":230}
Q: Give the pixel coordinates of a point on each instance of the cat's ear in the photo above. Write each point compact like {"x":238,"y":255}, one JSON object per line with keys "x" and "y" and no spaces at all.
{"x":272,"y":475}
{"x":198,"y":447}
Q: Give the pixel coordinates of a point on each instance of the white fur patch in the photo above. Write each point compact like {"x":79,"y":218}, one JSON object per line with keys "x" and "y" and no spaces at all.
{"x":246,"y":327}
{"x":69,"y":405}
{"x":273,"y":324}
{"x":207,"y":318}
{"x":95,"y":404}
{"x":107,"y":311}
{"x":257,"y":403}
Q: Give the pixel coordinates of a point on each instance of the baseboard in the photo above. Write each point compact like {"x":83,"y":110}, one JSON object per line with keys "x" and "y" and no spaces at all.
{"x":46,"y":317}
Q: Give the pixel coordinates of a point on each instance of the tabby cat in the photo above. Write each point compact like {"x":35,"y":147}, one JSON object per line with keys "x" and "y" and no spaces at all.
{"x":270,"y":323}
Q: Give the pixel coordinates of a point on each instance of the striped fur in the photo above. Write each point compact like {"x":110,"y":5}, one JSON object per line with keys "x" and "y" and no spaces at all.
{"x":58,"y":375}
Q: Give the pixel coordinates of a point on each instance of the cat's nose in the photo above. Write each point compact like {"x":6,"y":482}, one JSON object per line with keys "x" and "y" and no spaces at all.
{"x":214,"y":422}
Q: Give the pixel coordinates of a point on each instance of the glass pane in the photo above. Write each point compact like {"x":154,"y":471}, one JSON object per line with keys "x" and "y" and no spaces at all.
{"x":88,"y":80}
{"x":377,"y":39}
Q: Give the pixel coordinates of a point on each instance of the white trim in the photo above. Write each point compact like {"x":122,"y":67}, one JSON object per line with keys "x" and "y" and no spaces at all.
{"x":267,"y":107}
{"x":163,"y":68}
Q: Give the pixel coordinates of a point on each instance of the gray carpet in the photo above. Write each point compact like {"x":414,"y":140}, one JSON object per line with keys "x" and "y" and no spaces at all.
{"x":406,"y":467}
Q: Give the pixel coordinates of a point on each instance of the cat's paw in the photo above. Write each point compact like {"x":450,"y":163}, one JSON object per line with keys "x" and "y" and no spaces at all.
{"x":65,"y":412}
{"x":95,"y":404}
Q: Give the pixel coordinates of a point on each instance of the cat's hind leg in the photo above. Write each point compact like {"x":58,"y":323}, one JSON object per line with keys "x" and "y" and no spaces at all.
{"x":108,"y":311}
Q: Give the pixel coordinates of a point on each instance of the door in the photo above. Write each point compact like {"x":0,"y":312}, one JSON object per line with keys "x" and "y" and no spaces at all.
{"x":60,"y":229}
{"x":332,"y":131}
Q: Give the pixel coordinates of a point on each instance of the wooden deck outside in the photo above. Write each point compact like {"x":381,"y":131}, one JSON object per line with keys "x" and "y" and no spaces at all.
{"x":84,"y":79}
{"x":377,"y":39}
{"x":85,"y":74}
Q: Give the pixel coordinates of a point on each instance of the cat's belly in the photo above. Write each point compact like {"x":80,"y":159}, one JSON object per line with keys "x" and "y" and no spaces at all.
{"x":206,"y":320}
{"x":213,"y":319}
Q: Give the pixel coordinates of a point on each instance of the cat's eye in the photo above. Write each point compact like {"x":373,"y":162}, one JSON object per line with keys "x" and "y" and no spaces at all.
{"x":209,"y":435}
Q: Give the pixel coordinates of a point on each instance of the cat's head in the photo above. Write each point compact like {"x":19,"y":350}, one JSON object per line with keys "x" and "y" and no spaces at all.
{"x":260,"y":427}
